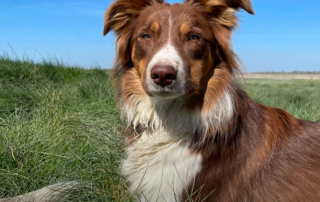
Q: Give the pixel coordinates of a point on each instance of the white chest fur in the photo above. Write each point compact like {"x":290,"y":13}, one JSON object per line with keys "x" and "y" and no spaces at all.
{"x":159,"y":167}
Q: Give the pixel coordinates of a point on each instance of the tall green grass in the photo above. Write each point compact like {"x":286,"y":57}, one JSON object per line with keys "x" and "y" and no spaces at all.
{"x":61,"y":123}
{"x":58,"y":124}
{"x":299,"y":97}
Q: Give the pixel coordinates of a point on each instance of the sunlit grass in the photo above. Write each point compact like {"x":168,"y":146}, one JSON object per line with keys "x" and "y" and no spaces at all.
{"x":58,"y":124}
{"x":299,"y":97}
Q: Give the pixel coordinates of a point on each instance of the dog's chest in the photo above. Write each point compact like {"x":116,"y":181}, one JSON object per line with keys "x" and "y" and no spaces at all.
{"x":159,"y":167}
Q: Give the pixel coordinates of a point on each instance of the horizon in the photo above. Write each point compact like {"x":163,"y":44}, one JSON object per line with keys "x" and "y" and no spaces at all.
{"x":280,"y":37}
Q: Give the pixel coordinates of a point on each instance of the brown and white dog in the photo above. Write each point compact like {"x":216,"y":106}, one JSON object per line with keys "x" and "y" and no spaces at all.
{"x":195,"y":135}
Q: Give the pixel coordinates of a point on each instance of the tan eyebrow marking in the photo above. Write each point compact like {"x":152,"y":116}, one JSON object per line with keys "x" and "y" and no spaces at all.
{"x":154,"y":27}
{"x":184,"y":29}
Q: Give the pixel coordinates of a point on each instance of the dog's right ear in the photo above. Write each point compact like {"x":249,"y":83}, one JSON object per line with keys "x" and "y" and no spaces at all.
{"x":123,"y":12}
{"x":121,"y":17}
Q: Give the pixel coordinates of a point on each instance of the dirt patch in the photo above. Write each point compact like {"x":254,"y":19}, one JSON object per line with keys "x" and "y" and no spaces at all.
{"x":285,"y":76}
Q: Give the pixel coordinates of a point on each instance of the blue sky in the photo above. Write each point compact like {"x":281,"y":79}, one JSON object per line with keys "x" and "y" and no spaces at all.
{"x":283,"y":35}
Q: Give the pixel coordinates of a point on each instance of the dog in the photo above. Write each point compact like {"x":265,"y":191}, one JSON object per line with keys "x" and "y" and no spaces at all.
{"x":193,"y":134}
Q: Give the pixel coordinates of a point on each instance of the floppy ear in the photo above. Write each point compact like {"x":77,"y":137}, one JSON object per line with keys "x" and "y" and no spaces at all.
{"x":221,"y":16}
{"x":244,"y":4}
{"x":123,"y":12}
{"x":224,"y":10}
{"x":121,"y":17}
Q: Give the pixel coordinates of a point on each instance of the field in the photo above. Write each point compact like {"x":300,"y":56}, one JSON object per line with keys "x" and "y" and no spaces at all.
{"x":299,"y":97}
{"x":283,"y":76}
{"x":61,"y":124}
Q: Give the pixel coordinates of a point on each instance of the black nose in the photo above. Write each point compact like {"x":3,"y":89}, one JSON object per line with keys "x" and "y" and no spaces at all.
{"x":163,"y":75}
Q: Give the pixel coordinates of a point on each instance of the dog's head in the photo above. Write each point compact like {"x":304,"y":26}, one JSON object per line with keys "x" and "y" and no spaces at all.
{"x":176,"y":49}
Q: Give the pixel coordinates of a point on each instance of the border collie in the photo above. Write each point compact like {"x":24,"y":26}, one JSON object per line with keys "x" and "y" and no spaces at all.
{"x":193,"y":133}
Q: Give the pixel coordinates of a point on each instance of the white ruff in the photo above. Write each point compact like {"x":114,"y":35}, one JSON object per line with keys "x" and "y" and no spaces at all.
{"x":160,"y":168}
{"x":173,"y":117}
{"x":159,"y":164}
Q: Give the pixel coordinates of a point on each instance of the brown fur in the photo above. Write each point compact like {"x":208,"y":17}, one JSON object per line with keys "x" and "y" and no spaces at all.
{"x":262,"y":153}
{"x":265,"y":155}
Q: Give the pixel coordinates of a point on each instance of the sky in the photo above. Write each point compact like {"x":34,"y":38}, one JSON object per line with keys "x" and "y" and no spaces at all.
{"x":283,"y":35}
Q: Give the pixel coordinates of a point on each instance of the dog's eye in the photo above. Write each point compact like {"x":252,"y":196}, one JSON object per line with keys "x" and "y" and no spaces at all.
{"x":146,"y":36}
{"x":193,"y":38}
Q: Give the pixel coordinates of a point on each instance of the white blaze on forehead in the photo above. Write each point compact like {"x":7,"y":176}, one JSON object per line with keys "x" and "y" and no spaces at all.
{"x":168,"y":55}
{"x":170,"y":28}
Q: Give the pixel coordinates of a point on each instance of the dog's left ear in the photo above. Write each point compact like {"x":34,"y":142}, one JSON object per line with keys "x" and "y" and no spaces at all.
{"x":244,"y":4}
{"x":223,"y":11}
{"x":221,"y":16}
{"x":236,"y":4}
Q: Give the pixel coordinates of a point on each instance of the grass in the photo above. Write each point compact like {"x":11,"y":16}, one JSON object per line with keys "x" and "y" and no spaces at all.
{"x":301,"y":98}
{"x":58,"y":124}
{"x":61,"y":124}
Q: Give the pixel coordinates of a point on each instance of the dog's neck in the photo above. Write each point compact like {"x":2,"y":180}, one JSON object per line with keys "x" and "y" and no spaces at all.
{"x":176,"y":117}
